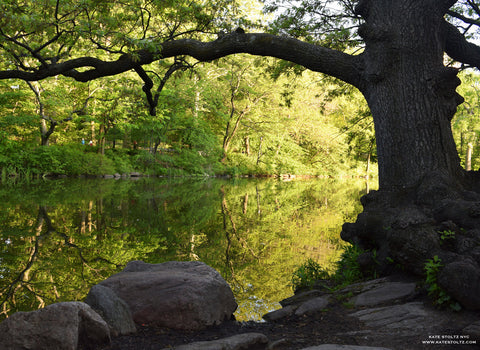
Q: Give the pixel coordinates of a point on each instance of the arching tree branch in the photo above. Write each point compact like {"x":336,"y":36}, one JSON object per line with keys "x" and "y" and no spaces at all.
{"x":343,"y":66}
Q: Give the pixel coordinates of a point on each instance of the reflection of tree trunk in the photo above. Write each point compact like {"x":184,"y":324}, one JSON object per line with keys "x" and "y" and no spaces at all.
{"x":245,"y":203}
{"x":124,"y":208}
{"x":23,"y":281}
{"x":83,"y":222}
{"x":99,"y":223}
{"x":228,"y":261}
{"x":55,"y":291}
{"x":24,"y":275}
{"x":90,"y":224}
{"x":259,"y":211}
{"x":226,"y":213}
{"x":192,"y":254}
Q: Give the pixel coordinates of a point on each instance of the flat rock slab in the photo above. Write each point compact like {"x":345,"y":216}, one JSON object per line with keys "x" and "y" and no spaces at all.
{"x":343,"y":347}
{"x":361,"y":287}
{"x":411,"y":316}
{"x":474,"y":331}
{"x":245,"y":341}
{"x":388,"y":292}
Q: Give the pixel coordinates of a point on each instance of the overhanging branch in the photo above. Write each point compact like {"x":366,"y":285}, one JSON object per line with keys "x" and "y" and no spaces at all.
{"x":335,"y":63}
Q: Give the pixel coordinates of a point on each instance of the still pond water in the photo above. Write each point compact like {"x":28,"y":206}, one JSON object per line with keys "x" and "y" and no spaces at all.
{"x":60,"y":237}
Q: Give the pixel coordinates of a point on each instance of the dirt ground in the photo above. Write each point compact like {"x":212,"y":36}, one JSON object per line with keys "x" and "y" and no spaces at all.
{"x":332,"y":326}
{"x":292,"y":333}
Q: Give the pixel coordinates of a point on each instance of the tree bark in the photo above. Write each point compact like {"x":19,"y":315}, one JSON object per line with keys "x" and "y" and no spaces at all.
{"x":410,"y":92}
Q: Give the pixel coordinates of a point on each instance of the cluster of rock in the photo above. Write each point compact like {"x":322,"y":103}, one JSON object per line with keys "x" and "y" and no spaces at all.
{"x":192,"y":296}
{"x":180,"y":295}
{"x":392,"y":312}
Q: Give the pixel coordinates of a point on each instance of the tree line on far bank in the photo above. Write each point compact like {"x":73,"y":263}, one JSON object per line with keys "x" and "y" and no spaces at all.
{"x":248,"y":120}
{"x":237,"y":117}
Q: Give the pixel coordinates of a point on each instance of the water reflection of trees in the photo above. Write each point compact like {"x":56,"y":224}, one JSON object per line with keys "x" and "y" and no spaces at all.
{"x":60,"y":237}
{"x":29,"y":283}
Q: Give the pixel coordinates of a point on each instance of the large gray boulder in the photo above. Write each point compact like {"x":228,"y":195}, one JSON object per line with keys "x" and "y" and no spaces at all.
{"x":179,"y":295}
{"x":114,"y":310}
{"x":61,"y":326}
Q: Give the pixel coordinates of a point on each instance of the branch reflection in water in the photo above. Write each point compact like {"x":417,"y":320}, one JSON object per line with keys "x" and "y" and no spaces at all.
{"x":60,"y":237}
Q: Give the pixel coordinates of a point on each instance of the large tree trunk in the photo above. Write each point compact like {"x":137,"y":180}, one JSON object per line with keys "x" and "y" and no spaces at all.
{"x":410,"y":92}
{"x":423,"y":189}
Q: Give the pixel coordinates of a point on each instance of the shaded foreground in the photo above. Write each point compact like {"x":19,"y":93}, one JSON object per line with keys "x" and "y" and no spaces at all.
{"x":291,"y":333}
{"x":393,"y":313}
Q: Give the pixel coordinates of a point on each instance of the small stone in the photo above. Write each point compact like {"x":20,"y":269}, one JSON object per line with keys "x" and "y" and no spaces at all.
{"x":279,"y":314}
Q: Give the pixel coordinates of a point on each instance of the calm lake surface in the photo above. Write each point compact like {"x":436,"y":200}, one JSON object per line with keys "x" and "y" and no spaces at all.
{"x":60,"y":237}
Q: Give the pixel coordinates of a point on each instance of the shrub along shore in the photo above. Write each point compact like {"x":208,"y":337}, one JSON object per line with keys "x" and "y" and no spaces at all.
{"x":84,"y":160}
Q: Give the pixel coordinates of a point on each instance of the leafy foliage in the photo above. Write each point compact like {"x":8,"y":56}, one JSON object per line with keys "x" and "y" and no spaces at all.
{"x":307,"y":274}
{"x":438,"y":294}
{"x":329,"y":23}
